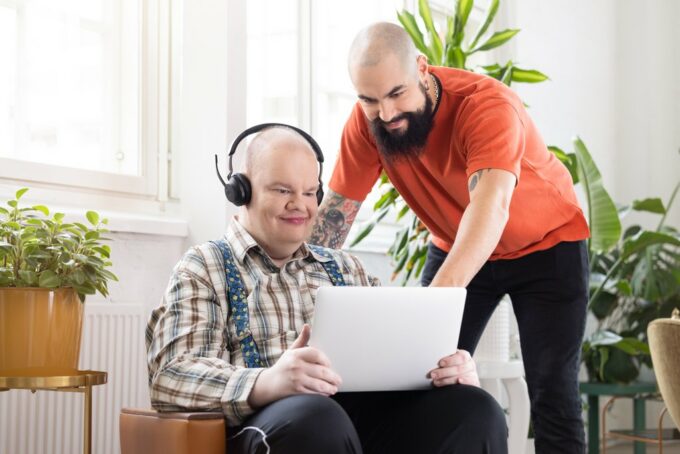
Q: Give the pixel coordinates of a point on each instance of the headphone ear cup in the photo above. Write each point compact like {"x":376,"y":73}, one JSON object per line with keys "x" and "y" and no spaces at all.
{"x":319,"y":195}
{"x":238,"y":189}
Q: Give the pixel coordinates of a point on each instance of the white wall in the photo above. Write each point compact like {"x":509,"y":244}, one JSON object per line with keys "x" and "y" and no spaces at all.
{"x":206,"y":106}
{"x":648,"y":100}
{"x":613,"y":66}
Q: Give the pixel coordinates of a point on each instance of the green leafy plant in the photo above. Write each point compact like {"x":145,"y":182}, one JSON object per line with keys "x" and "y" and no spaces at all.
{"x":442,"y":48}
{"x":39,"y":250}
{"x":634,"y":274}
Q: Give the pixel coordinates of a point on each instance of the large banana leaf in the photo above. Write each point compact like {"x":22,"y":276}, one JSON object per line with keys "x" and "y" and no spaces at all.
{"x":603,"y":218}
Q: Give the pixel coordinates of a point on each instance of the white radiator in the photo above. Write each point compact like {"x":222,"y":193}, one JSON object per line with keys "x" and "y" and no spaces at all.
{"x":51,"y":422}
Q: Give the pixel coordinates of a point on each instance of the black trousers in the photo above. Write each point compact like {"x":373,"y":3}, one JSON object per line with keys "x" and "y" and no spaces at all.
{"x":454,"y":419}
{"x":549,"y":293}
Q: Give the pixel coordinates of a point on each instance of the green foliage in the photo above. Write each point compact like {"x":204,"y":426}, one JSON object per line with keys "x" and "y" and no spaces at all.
{"x":451,"y":49}
{"x":37,"y":250}
{"x":634,"y":279}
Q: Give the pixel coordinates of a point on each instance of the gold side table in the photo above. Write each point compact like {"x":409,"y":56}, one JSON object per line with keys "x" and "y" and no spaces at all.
{"x":77,"y":381}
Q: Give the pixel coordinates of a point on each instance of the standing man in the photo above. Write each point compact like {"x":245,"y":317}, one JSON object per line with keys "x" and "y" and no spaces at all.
{"x":465,"y":155}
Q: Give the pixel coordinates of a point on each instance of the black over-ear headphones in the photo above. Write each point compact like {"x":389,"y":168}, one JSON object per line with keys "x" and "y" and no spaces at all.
{"x":237,"y":187}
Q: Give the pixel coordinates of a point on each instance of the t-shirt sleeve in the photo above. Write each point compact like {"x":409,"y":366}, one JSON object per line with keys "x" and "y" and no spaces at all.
{"x":358,"y":165}
{"x":492,"y":137}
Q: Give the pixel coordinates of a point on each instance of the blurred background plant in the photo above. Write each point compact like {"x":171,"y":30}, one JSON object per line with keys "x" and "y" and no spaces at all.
{"x":634,"y":273}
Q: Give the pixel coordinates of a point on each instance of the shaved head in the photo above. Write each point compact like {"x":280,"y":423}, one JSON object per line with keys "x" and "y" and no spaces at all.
{"x":269,"y":141}
{"x":379,"y":40}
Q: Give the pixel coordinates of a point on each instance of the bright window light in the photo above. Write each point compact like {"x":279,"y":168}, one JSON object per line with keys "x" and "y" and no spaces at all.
{"x":70,"y":83}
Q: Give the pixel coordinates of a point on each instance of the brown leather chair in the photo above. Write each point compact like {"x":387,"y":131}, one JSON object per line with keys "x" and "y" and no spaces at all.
{"x":150,"y":432}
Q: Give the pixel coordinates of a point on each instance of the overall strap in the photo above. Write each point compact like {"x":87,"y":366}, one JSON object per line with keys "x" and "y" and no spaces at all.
{"x":236,"y":297}
{"x":330,"y":266}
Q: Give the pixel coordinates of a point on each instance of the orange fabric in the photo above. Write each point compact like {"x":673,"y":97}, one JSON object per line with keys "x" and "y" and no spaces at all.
{"x":480,"y":123}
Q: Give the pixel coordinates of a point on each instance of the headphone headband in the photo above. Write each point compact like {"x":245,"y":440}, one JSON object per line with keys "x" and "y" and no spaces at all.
{"x":257,"y":128}
{"x":244,"y":192}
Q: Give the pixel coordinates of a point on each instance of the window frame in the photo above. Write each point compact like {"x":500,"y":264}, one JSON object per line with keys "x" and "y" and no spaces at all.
{"x":155,"y":92}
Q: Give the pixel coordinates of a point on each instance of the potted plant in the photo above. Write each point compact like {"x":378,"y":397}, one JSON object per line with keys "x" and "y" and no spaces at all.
{"x":47,"y":267}
{"x":635,"y":274}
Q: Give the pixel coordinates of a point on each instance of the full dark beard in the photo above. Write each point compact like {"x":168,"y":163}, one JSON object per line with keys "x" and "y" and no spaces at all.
{"x":396,"y":145}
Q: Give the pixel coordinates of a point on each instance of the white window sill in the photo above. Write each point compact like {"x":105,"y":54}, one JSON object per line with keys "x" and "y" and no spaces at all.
{"x":151,"y":225}
{"x":125,"y":214}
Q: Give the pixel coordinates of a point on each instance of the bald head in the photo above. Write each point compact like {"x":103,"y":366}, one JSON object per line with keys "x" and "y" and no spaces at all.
{"x":271,"y":140}
{"x":379,"y":40}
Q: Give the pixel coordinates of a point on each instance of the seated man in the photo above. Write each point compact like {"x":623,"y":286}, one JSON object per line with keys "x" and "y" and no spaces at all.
{"x":232,"y":329}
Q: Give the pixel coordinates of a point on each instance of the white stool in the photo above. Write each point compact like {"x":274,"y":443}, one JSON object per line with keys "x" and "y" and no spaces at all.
{"x":495,"y":368}
{"x":511,"y":375}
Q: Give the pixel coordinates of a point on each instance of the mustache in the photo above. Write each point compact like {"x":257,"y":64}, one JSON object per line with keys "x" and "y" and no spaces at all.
{"x":401,"y":116}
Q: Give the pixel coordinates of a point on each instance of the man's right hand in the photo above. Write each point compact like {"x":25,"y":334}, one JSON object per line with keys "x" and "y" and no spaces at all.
{"x":300,"y":370}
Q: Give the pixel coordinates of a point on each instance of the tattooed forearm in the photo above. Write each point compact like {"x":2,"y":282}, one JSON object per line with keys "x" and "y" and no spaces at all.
{"x":474,"y":179}
{"x":336,"y":215}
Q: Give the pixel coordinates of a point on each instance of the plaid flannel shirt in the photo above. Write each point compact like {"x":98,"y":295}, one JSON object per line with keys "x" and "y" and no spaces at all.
{"x":193,"y":353}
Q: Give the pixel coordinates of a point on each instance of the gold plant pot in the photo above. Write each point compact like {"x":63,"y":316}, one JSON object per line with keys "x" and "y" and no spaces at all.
{"x":39,"y":331}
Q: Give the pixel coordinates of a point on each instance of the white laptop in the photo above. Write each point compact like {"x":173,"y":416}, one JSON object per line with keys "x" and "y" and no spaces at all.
{"x":386,"y":338}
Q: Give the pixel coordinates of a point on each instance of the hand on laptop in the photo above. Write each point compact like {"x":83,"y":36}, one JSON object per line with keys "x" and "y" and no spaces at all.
{"x":456,"y":368}
{"x":300,"y":370}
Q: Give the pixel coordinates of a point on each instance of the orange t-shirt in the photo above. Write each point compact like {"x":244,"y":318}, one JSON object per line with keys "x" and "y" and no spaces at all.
{"x":479,"y":124}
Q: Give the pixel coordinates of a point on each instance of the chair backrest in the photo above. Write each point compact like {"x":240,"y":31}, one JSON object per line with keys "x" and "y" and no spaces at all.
{"x":150,"y":432}
{"x":664,"y":343}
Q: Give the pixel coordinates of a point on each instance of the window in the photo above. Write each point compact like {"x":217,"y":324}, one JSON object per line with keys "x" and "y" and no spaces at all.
{"x":297,"y":63}
{"x":83,"y":92}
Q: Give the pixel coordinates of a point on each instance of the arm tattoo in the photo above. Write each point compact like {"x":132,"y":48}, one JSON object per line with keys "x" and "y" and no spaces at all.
{"x":475,"y":179}
{"x":336,"y":215}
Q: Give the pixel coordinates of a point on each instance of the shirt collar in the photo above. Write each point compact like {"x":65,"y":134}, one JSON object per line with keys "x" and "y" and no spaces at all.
{"x":241,"y":242}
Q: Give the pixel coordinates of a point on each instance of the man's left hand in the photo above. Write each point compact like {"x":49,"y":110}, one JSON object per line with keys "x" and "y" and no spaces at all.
{"x":456,"y":368}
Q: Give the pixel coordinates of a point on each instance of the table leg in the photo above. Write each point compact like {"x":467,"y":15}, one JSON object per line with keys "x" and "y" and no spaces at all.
{"x":87,"y":420}
{"x":639,"y":423}
{"x":593,"y":424}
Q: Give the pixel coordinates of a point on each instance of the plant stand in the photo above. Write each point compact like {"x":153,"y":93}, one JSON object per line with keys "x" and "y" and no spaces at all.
{"x":78,"y":381}
{"x":635,"y":390}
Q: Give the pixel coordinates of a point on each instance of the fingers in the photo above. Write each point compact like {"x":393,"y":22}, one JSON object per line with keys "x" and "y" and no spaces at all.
{"x":468,"y":379}
{"x":313,"y":386}
{"x":303,"y":337}
{"x":322,"y":373}
{"x":454,"y":371}
{"x":312,"y":355}
{"x":456,"y":368}
{"x":312,"y":378}
{"x":458,"y":358}
{"x":471,"y":379}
